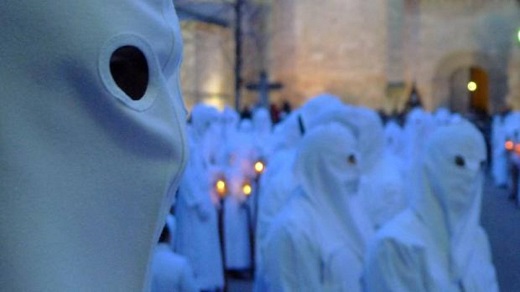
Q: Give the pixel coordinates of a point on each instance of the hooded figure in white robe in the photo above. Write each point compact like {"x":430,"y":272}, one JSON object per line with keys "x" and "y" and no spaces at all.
{"x":205,"y":132}
{"x":262,"y":125}
{"x":277,"y":182}
{"x":170,"y":272}
{"x":512,"y":134}
{"x":229,"y":122}
{"x":92,"y":141}
{"x":499,"y":152}
{"x":223,"y":134}
{"x":438,"y":244}
{"x":381,"y":190}
{"x":314,"y":243}
{"x":442,"y":117}
{"x":197,"y":235}
{"x":418,"y":127}
{"x":419,"y":124}
{"x":237,"y":209}
{"x":394,"y":140}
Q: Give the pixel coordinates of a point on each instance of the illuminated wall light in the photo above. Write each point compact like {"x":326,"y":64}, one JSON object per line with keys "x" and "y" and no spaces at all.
{"x":509,"y":145}
{"x":472,"y":86}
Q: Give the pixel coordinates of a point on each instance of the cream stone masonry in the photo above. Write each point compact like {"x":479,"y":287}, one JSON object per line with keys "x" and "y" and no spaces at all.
{"x":370,"y":52}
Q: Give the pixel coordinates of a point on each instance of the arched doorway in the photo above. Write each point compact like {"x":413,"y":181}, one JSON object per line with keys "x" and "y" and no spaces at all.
{"x":469,"y":91}
{"x":479,"y":91}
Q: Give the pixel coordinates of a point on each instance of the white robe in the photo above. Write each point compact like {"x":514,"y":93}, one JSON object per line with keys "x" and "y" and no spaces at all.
{"x":171,"y":272}
{"x":300,"y":254}
{"x":438,"y":244}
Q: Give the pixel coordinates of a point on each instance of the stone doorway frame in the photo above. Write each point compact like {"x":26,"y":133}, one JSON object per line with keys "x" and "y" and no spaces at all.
{"x":497,"y":77}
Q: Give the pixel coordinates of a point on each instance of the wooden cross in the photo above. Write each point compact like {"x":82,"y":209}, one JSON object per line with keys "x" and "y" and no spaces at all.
{"x":264,"y":87}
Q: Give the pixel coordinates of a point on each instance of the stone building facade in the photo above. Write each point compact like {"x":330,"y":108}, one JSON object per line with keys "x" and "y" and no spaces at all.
{"x":371,"y":52}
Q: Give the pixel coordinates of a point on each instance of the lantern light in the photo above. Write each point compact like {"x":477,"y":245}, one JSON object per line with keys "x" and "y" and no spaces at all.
{"x":509,"y":145}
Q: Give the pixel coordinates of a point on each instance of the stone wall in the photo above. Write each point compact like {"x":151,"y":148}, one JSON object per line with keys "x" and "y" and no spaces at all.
{"x":367,"y":52}
{"x":364,"y":50}
{"x":335,"y":46}
{"x":207,"y":69}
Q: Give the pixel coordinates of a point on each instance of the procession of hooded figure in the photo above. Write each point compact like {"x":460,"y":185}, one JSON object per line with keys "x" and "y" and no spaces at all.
{"x":331,"y":188}
{"x":334,"y":196}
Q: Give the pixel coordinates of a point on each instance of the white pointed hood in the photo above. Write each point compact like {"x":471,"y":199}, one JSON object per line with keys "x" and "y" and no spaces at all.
{"x":371,"y":136}
{"x":262,"y":122}
{"x":202,"y":119}
{"x":86,"y":164}
{"x":327,"y":170}
{"x":394,"y":139}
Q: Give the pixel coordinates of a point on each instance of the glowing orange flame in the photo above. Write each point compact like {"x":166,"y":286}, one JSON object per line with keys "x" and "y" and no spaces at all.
{"x":221,"y":187}
{"x":517,"y":148}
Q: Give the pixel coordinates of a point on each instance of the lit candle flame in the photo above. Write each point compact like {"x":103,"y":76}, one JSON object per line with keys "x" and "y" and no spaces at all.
{"x":517,"y":148}
{"x":221,"y":187}
{"x":259,"y":167}
{"x":247,"y":189}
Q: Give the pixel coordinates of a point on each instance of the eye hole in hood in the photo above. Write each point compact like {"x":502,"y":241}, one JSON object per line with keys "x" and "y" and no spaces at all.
{"x":459,"y":161}
{"x":130,"y":71}
{"x":352,"y":159}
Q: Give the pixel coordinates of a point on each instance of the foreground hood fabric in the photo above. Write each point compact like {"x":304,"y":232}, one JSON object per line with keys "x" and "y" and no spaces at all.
{"x":92,"y":140}
{"x":438,"y":244}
